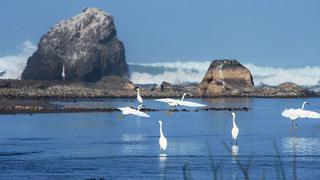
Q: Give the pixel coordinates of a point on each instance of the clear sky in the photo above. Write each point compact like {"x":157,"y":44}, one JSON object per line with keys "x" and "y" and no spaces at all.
{"x":284,"y":33}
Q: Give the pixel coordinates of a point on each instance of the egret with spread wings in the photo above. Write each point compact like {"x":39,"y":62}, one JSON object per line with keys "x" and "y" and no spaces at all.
{"x":176,"y":102}
{"x":130,"y":111}
{"x":294,"y":114}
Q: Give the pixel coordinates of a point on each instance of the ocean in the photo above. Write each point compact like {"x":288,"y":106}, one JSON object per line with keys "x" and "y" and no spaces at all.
{"x":103,"y":146}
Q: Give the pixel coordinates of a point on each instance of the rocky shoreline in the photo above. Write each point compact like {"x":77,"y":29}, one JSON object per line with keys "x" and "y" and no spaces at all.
{"x":58,"y":90}
{"x":39,"y":109}
{"x":34,"y":96}
{"x":44,"y":106}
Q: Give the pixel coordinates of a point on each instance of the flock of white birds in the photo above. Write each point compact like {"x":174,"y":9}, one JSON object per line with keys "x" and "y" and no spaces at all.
{"x":173,"y":103}
{"x":292,"y":114}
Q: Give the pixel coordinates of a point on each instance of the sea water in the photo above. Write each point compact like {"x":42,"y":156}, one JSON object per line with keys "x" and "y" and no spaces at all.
{"x":100,"y":145}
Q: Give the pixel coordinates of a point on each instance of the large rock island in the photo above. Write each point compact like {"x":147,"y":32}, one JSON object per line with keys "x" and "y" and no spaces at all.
{"x":86,"y":46}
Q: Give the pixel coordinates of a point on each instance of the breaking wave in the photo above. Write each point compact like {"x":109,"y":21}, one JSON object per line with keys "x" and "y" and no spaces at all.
{"x":192,"y":72}
{"x":176,"y":72}
{"x":11,"y":66}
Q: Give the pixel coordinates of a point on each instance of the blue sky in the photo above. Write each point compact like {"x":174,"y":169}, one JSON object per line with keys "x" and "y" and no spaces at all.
{"x":270,"y":33}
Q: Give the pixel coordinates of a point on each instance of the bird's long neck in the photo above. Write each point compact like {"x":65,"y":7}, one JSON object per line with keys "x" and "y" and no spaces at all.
{"x":161,"y":133}
{"x":138,"y":92}
{"x":302,"y":107}
{"x":183,"y":97}
{"x":234,"y":121}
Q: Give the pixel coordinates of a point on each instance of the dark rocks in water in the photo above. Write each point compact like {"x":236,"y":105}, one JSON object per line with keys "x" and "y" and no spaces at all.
{"x":150,"y":87}
{"x":287,"y":89}
{"x":226,"y":77}
{"x":115,"y":83}
{"x":116,"y":87}
{"x":166,"y":87}
{"x":86,"y":45}
{"x":5,"y":84}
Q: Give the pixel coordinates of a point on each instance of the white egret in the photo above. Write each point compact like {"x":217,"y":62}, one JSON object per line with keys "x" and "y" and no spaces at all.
{"x":131,"y":111}
{"x":162,"y":140}
{"x":139,"y":98}
{"x":219,"y":68}
{"x":63,"y":74}
{"x":176,"y":102}
{"x":235,"y":129}
{"x":294,"y":114}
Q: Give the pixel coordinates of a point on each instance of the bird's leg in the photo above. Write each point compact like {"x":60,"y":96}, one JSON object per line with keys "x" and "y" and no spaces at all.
{"x":169,"y":112}
{"x":232,"y":141}
{"x":292,"y":122}
{"x":295,"y":124}
{"x":236,"y":142}
{"x":162,"y":151}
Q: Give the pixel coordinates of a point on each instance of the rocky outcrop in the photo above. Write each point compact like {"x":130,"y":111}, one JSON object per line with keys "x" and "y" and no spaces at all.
{"x":287,"y":89}
{"x":106,"y":88}
{"x":226,"y":77}
{"x":86,"y":46}
{"x":115,"y":83}
{"x":165,"y":86}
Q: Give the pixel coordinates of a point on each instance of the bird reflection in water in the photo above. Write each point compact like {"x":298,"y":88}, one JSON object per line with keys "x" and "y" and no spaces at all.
{"x":305,"y":146}
{"x":163,"y":165}
{"x":234,"y":152}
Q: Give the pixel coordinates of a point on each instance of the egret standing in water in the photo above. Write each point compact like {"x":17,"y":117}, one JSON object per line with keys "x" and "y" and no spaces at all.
{"x":294,"y":114}
{"x":176,"y":102}
{"x":139,"y":98}
{"x":162,"y":140}
{"x":235,"y":129}
{"x":130,"y":111}
{"x":63,"y":74}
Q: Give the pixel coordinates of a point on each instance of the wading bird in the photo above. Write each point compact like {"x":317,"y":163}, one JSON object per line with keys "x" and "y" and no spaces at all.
{"x":235,"y":129}
{"x":63,"y":74}
{"x":163,"y":143}
{"x":176,"y":102}
{"x":130,"y":111}
{"x":294,"y":114}
{"x":139,"y":98}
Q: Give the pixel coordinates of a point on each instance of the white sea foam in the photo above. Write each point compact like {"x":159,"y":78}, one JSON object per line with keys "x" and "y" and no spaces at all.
{"x":178,"y":71}
{"x":304,"y":76}
{"x":185,"y":72}
{"x":193,"y":71}
{"x":13,"y":65}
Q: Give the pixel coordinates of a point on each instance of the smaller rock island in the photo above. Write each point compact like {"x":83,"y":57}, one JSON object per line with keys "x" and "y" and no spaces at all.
{"x":226,"y":77}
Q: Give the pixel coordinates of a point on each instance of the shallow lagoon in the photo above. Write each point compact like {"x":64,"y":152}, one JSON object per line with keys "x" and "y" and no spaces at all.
{"x":100,"y":145}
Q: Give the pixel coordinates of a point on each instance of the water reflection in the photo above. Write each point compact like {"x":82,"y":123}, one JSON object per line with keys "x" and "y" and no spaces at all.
{"x":131,"y":144}
{"x":132,"y":137}
{"x":234,"y":152}
{"x":223,"y":102}
{"x":163,"y":165}
{"x":184,"y":148}
{"x":301,"y":145}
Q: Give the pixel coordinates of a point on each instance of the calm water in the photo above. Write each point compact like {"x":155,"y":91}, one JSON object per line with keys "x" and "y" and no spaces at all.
{"x":99,"y":145}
